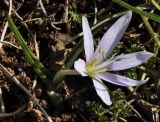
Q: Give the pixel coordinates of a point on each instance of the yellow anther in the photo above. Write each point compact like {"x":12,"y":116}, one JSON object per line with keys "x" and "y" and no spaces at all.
{"x":90,"y":67}
{"x":103,"y":53}
{"x":92,"y":70}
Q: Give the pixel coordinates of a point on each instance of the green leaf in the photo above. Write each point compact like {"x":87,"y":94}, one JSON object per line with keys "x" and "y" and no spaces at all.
{"x":41,"y":71}
{"x":154,"y":17}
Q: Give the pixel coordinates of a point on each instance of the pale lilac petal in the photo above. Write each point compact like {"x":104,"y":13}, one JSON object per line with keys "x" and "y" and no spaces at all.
{"x":102,"y":91}
{"x":80,"y":66}
{"x":120,"y":80}
{"x":88,"y":39}
{"x":113,"y":36}
{"x":126,"y":61}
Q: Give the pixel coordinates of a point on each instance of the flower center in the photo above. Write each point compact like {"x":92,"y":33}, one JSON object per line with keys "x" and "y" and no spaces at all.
{"x":90,"y":67}
{"x":92,"y":70}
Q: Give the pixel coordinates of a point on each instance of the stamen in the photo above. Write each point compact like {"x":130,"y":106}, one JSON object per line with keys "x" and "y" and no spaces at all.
{"x":91,"y":68}
{"x":104,"y":64}
{"x":103,"y":53}
{"x":101,"y":71}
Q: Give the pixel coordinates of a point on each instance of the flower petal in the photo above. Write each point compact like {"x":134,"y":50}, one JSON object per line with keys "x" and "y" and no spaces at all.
{"x":126,"y":61}
{"x":88,"y":39}
{"x":102,"y":91}
{"x":112,"y":36}
{"x":120,"y":80}
{"x":80,"y":66}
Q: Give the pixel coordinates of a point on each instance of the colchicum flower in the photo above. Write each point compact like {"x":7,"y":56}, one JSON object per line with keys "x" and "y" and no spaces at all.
{"x":98,"y":67}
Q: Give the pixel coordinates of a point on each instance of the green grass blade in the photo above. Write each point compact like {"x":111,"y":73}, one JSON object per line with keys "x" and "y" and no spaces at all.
{"x":37,"y":65}
{"x":77,"y":49}
{"x":155,"y":4}
{"x":154,"y":17}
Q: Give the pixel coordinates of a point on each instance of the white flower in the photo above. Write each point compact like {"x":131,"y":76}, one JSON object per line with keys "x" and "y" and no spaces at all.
{"x":98,"y":67}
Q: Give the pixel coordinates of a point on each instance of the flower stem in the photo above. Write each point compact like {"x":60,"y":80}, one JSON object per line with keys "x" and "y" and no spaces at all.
{"x":60,"y":75}
{"x":55,"y":96}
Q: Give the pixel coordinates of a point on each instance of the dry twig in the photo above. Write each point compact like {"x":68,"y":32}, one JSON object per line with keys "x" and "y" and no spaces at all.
{"x":3,"y":115}
{"x":7,"y":73}
{"x":6,"y":25}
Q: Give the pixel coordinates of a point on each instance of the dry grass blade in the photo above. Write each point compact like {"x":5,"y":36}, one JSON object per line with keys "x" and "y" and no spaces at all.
{"x":6,"y":25}
{"x":7,"y":73}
